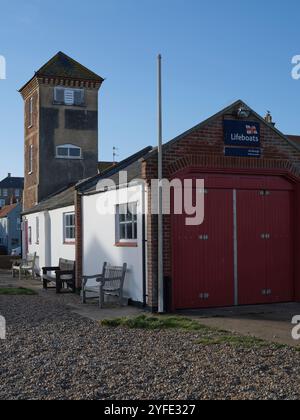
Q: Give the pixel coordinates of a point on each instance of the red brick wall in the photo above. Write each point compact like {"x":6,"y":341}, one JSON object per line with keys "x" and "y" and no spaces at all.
{"x":203,"y":149}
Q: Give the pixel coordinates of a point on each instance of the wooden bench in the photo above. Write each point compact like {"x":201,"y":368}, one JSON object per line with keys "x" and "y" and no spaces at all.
{"x":111,"y":283}
{"x":61,"y":277}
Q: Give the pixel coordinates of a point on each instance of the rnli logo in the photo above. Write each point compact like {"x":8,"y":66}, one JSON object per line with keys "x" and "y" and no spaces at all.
{"x":251,"y":130}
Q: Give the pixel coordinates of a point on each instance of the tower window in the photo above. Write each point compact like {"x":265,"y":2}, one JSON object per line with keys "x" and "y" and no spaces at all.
{"x":68,"y":151}
{"x":30,"y":113}
{"x":30,"y":159}
{"x":69,"y":97}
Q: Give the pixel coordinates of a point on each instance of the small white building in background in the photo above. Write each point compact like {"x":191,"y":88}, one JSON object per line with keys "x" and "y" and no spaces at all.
{"x":113,"y":226}
{"x":103,"y":240}
{"x":49,"y":230}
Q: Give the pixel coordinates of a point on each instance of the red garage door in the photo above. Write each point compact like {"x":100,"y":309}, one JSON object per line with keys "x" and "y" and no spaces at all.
{"x":203,"y":255}
{"x":242,"y":253}
{"x":264,"y":247}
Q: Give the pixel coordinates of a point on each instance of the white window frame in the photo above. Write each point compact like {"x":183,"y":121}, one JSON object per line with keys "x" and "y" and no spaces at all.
{"x":68,"y":239}
{"x":30,"y":160}
{"x":68,"y":147}
{"x":133,"y":221}
{"x":5,"y":192}
{"x":30,"y":114}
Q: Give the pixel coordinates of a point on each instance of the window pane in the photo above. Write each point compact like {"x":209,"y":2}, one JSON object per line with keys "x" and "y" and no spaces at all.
{"x":123,"y":232}
{"x":62,"y":151}
{"x":132,"y":208}
{"x":75,"y":152}
{"x":122,"y":218}
{"x":135,"y":230}
{"x":79,"y":97}
{"x":123,"y":210}
{"x":129,"y":231}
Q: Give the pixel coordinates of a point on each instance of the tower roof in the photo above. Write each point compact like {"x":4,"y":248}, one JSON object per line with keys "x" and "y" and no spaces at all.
{"x":66,"y":67}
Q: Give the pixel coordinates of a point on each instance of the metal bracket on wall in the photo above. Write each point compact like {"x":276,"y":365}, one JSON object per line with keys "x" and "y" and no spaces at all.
{"x":203,"y":237}
{"x":266,"y":292}
{"x":204,"y":296}
{"x":264,"y":193}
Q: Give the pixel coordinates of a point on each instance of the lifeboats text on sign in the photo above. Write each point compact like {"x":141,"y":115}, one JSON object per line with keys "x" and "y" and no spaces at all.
{"x":242,"y":133}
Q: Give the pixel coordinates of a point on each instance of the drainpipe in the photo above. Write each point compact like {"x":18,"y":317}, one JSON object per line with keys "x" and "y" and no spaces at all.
{"x":161,"y":306}
{"x":144,"y":240}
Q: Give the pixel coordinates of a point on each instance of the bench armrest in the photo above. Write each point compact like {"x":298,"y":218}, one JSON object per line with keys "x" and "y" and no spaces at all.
{"x":46,"y":269}
{"x":97,"y":277}
{"x":17,"y":262}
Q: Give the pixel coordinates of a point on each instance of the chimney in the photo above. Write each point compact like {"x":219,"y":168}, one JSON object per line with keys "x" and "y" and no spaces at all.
{"x":269,"y":119}
{"x":9,"y":175}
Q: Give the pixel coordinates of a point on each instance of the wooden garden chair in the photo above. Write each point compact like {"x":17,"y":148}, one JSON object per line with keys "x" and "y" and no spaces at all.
{"x":110,"y":283}
{"x":24,"y":267}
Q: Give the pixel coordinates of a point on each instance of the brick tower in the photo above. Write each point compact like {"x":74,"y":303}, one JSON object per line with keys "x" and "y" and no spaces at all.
{"x":61,"y":127}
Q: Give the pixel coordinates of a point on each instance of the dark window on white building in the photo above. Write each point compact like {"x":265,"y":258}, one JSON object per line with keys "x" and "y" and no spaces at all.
{"x":69,"y":227}
{"x":126,"y":222}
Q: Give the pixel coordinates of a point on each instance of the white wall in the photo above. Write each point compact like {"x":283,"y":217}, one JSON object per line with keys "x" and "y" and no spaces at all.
{"x":51,"y":246}
{"x":99,"y":240}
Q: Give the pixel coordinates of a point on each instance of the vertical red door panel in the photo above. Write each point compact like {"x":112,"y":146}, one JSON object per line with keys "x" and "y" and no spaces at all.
{"x":251,"y":247}
{"x":203,"y":255}
{"x":279,"y":246}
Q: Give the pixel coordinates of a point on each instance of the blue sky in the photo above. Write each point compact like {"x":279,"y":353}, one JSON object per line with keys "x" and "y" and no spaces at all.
{"x":214,"y":53}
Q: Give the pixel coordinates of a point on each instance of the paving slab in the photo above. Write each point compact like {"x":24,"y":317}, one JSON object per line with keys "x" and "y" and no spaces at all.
{"x":268,"y":322}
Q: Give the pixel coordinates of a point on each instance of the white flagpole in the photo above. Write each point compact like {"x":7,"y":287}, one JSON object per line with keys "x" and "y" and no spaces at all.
{"x":161,"y":306}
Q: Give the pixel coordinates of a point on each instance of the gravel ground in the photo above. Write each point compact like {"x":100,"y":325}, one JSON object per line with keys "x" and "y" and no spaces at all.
{"x":51,"y":353}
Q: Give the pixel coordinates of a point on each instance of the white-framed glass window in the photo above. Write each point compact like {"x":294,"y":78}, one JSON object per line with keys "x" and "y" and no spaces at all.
{"x":126,"y":222}
{"x":30,"y":159}
{"x":68,"y":151}
{"x":30,"y":113}
{"x":37,"y":229}
{"x":17,"y":193}
{"x":5,"y":192}
{"x":69,"y":227}
{"x":2,"y":202}
{"x":69,"y":96}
